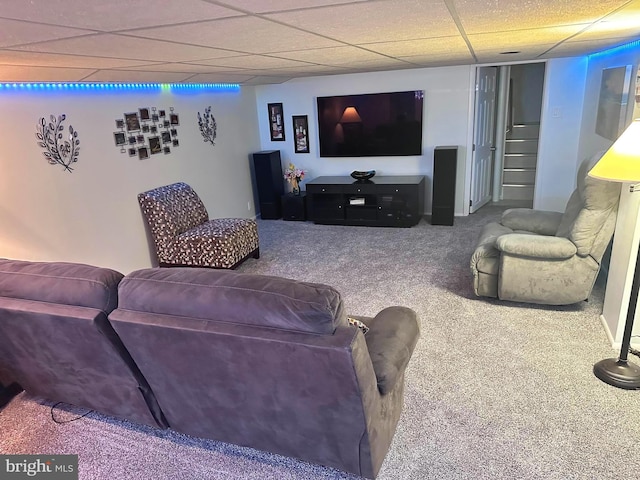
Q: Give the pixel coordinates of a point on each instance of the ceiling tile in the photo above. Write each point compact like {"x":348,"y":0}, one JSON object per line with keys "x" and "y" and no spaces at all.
{"x":266,"y":80}
{"x":10,"y":57}
{"x":333,"y":55}
{"x":183,"y":67}
{"x":451,"y":58}
{"x":517,"y":39}
{"x":219,"y":78}
{"x":17,"y":33}
{"x":258,"y":35}
{"x":262,"y":6}
{"x":113,"y":14}
{"x":135,"y":76}
{"x":372,"y":21}
{"x":121,"y":46}
{"x":427,"y":46}
{"x":253,"y":62}
{"x":10,"y":73}
{"x":495,"y":16}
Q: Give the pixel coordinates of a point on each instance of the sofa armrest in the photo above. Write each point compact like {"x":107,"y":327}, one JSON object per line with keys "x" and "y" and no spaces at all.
{"x":537,"y":221}
{"x":392,"y":337}
{"x":536,"y":246}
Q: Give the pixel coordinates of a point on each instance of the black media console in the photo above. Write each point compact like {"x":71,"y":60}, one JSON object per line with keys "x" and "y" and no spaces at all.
{"x":393,"y":201}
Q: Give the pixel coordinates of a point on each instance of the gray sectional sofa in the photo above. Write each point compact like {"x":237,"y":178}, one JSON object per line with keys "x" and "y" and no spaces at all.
{"x":258,"y":361}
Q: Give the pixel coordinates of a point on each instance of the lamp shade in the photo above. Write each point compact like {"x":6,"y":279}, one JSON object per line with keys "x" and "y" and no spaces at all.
{"x":350,"y":115}
{"x":621,"y":163}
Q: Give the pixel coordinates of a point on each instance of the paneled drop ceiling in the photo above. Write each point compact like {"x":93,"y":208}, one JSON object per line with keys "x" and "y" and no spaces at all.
{"x":271,"y":41}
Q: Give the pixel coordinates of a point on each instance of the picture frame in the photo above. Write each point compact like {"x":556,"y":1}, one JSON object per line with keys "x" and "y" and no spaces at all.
{"x":132,"y":140}
{"x":144,"y":114}
{"x":174,"y":119}
{"x":174,"y":132}
{"x":161,"y":113}
{"x":166,"y":150}
{"x":175,"y":142}
{"x":153,"y":129}
{"x":120,"y":123}
{"x":132,"y":121}
{"x":166,"y":137}
{"x":300,"y":133}
{"x":145,"y":128}
{"x":276,"y":122}
{"x":133,"y":152}
{"x":166,"y":124}
{"x":140,"y":138}
{"x":155,"y":146}
{"x":143,"y":153}
{"x":120,"y":138}
{"x":154,"y":117}
{"x":613,"y":101}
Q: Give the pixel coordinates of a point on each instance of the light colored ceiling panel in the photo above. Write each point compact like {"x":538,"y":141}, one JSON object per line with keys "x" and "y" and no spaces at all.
{"x":496,"y":56}
{"x":219,"y":78}
{"x":262,"y":6}
{"x":517,"y":39}
{"x":10,"y":73}
{"x":333,"y":56}
{"x":574,"y":48}
{"x":10,"y":57}
{"x":383,"y":20}
{"x":425,"y":46}
{"x":266,"y":80}
{"x":14,"y":32}
{"x":254,"y":62}
{"x":136,"y":76}
{"x":429,"y":59}
{"x":112,"y":14}
{"x":494,"y":16}
{"x":125,"y":47}
{"x":184,"y":68}
{"x":258,"y":35}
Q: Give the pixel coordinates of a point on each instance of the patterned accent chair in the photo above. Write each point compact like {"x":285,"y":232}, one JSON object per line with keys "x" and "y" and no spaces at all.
{"x":184,"y":236}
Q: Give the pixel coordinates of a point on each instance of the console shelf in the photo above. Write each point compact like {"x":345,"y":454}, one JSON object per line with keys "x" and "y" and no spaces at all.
{"x":392,"y":201}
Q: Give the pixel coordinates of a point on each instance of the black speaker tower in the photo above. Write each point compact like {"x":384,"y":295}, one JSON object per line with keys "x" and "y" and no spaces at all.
{"x":269,"y":179}
{"x":445,"y":160}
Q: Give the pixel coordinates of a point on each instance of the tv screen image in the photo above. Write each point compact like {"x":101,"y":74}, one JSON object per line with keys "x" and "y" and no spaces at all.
{"x":371,"y":125}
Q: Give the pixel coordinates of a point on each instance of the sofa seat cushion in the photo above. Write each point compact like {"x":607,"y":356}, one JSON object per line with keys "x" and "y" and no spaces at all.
{"x":219,"y":243}
{"x":60,"y":282}
{"x":228,"y":296}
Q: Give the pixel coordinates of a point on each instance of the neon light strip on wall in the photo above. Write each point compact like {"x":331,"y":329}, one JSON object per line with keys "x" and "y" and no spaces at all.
{"x":119,"y":86}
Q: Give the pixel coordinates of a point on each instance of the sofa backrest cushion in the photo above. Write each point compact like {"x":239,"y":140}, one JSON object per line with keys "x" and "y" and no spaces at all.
{"x":228,"y":296}
{"x":60,"y":282}
{"x":589,"y":218}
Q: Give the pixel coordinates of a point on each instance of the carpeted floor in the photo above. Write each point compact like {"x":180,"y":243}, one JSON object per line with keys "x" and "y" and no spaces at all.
{"x":494,"y":390}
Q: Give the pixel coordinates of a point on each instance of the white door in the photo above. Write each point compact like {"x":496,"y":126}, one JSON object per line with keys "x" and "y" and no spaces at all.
{"x":483,"y":137}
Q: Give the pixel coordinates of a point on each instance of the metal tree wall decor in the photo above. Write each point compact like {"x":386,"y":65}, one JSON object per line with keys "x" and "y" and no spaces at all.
{"x":208,"y":126}
{"x":58,"y":151}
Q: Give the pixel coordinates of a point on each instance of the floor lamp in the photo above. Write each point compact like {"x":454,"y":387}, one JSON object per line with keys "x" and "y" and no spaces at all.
{"x":621,"y":163}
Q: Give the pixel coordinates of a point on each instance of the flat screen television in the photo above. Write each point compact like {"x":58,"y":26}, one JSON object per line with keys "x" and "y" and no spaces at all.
{"x":370,"y":125}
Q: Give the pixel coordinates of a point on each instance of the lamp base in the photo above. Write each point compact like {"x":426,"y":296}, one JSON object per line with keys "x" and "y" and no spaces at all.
{"x":618,"y":373}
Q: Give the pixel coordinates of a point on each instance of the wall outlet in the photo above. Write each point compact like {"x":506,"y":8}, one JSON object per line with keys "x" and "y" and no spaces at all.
{"x":249,"y":206}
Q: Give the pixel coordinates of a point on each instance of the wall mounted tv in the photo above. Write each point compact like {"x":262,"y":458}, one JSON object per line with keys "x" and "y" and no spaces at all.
{"x":370,"y":125}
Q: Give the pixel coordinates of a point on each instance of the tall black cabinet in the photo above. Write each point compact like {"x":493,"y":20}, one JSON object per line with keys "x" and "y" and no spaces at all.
{"x":269,"y":181}
{"x":445,"y":160}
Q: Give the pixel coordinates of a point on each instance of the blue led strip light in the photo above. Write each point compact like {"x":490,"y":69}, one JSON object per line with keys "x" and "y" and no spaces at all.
{"x":618,"y":49}
{"x":119,"y":86}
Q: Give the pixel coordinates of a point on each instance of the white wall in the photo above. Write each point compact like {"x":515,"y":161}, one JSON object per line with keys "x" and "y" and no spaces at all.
{"x":92,"y":215}
{"x":627,"y":234}
{"x":445,"y":121}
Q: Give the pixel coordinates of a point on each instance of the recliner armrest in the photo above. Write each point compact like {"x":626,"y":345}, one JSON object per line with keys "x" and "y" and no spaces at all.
{"x":542,"y":222}
{"x":391,"y":340}
{"x":536,"y":246}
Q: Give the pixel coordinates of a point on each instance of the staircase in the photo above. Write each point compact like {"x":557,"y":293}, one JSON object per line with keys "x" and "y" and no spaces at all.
{"x":519,"y":166}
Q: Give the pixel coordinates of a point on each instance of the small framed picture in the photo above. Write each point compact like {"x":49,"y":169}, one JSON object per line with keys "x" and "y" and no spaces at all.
{"x":174,"y":132}
{"x":133,"y":152}
{"x":143,"y":152}
{"x":153,"y":129}
{"x":276,"y":121}
{"x":166,"y":150}
{"x":175,"y":120}
{"x":145,"y":128}
{"x":144,"y":114}
{"x":120,"y":123}
{"x":166,"y":137}
{"x":120,"y":138}
{"x":140,"y":138}
{"x":300,"y":133}
{"x":155,"y":117}
{"x":161,"y":113}
{"x":154,"y":145}
{"x":132,"y":140}
{"x":132,"y":121}
{"x":166,"y":124}
{"x":175,"y":142}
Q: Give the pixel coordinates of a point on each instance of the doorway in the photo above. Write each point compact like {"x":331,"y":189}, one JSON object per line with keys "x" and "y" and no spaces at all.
{"x":513,"y":143}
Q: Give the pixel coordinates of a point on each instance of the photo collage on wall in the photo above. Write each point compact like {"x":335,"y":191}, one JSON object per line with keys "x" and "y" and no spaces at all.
{"x":147,"y":132}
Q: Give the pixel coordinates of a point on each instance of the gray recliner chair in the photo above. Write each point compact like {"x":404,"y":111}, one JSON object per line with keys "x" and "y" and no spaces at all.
{"x":548,"y":257}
